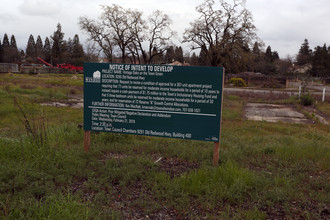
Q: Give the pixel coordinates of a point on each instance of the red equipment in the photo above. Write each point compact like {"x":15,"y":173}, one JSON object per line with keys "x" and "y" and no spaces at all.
{"x":69,"y":66}
{"x":62,"y":66}
{"x":48,"y":64}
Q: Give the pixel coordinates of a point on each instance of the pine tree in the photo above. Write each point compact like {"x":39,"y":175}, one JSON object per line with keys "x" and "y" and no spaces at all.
{"x":202,"y":59}
{"x":179,"y":54}
{"x":78,"y":52}
{"x":170,"y":55}
{"x":58,"y":47}
{"x":31,"y":48}
{"x":22,"y":54}
{"x":1,"y":53}
{"x":257,"y":58}
{"x":194,"y":59}
{"x":305,"y":54}
{"x":5,"y":49}
{"x":256,"y":50}
{"x":13,"y":51}
{"x":68,"y":53}
{"x":14,"y":55}
{"x":269,"y":54}
{"x":275,"y":56}
{"x":47,"y":50}
{"x":320,"y":62}
{"x":39,"y":48}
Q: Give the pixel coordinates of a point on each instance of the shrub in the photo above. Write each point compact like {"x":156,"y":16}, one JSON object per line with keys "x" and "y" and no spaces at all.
{"x":237,"y":82}
{"x":306,"y":99}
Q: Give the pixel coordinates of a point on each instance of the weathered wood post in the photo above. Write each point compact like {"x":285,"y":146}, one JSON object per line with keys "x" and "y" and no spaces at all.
{"x":87,"y":141}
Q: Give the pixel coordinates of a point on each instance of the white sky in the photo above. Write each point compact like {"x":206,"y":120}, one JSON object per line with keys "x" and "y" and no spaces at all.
{"x":282,"y":24}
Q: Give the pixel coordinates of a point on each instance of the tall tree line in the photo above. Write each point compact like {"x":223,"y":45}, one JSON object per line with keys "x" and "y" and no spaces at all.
{"x":54,"y":49}
{"x":319,"y":59}
{"x":8,"y":50}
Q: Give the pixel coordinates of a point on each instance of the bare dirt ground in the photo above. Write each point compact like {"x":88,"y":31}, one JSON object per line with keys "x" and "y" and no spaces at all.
{"x":74,"y":101}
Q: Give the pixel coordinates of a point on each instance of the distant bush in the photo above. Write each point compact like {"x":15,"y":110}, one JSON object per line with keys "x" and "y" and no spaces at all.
{"x":306,"y":99}
{"x":237,"y":82}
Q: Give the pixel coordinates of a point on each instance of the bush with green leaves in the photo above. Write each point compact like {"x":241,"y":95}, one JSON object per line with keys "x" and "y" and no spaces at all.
{"x":306,"y":99}
{"x":237,"y":82}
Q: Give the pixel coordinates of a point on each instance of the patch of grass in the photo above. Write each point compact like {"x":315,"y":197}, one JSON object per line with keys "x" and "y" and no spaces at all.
{"x":324,"y":107}
{"x":232,"y":108}
{"x":209,"y":187}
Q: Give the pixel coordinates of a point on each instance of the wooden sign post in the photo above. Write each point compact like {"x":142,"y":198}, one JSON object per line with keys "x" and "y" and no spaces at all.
{"x":216,"y":154}
{"x":87,"y":141}
{"x":216,"y":150}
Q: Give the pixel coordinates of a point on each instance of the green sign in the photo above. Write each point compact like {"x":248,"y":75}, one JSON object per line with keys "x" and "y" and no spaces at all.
{"x":153,"y":100}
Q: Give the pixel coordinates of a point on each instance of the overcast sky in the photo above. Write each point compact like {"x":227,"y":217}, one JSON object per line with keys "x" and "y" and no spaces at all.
{"x":282,"y":24}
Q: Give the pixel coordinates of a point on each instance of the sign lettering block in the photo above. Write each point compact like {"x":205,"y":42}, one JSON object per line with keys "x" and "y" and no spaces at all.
{"x":153,"y":100}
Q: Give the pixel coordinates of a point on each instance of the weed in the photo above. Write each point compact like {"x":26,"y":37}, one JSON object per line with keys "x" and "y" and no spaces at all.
{"x":306,"y":99}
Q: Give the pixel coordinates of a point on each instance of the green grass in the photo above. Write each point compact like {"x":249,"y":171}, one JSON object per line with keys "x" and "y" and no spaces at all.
{"x":266,"y":170}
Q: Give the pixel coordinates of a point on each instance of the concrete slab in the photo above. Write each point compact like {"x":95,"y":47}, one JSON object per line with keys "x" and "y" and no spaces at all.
{"x":274,"y":113}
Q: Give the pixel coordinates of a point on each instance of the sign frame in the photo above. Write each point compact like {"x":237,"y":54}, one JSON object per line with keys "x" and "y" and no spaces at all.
{"x":205,"y":90}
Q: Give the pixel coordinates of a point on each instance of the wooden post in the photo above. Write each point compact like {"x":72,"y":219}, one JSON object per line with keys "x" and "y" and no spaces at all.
{"x":216,"y":153}
{"x":87,"y":141}
{"x":217,"y":144}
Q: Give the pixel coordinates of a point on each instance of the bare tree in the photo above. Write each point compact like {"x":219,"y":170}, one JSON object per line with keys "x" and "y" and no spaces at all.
{"x":99,"y":34}
{"x":221,"y":33}
{"x":120,"y":21}
{"x":92,"y":51}
{"x":159,"y":35}
{"x":124,"y":30}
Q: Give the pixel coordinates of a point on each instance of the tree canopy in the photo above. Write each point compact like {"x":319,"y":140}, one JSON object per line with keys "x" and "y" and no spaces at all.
{"x":122,"y":30}
{"x":223,"y":34}
{"x":305,"y":54}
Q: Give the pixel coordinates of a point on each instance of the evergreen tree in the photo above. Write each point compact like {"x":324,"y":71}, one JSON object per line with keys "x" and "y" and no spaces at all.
{"x":157,"y":58}
{"x":194,"y":59}
{"x":13,"y":51}
{"x":47,"y":50}
{"x":179,"y":54}
{"x":58,"y":47}
{"x":39,"y":48}
{"x":31,"y":48}
{"x":275,"y":56}
{"x":202,"y":59}
{"x":305,"y":54}
{"x":170,"y":55}
{"x":269,"y":54}
{"x":1,"y":53}
{"x":256,"y":50}
{"x":68,"y":53}
{"x":5,"y":49}
{"x":320,"y":62}
{"x":78,"y":51}
{"x":21,"y":55}
{"x":267,"y":65}
{"x":257,"y":58}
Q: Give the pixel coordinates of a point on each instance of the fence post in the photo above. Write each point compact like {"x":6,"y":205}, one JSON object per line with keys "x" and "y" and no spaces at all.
{"x":323,"y":97}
